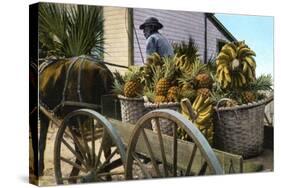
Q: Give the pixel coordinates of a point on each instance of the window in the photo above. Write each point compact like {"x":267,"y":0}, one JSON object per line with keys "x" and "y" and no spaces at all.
{"x":220,"y":44}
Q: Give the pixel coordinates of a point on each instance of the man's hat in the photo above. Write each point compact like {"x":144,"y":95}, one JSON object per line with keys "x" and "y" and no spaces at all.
{"x":151,"y":21}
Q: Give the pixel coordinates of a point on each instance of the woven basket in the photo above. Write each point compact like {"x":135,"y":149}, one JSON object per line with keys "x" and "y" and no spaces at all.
{"x":240,"y":130}
{"x":131,"y":109}
{"x":165,"y":125}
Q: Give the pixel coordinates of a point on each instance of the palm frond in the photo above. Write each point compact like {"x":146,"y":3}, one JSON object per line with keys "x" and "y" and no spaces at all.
{"x":191,"y":49}
{"x":262,"y":83}
{"x":71,"y":30}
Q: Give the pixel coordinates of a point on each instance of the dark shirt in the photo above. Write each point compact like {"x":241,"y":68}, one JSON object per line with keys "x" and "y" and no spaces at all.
{"x":157,"y":43}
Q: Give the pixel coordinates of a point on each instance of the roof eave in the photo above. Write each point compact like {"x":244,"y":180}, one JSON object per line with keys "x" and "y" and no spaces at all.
{"x":220,"y":26}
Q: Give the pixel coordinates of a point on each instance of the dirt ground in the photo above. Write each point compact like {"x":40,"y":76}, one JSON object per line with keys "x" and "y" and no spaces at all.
{"x":49,"y":178}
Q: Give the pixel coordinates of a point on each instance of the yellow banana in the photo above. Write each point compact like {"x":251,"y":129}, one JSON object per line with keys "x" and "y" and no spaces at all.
{"x":198,"y":103}
{"x":233,"y":46}
{"x":251,"y":61}
{"x":250,"y":74}
{"x":241,"y":45}
{"x":195,"y":101}
{"x":222,"y":63}
{"x":208,"y":100}
{"x":207,"y":110}
{"x":226,"y":74}
{"x":223,"y":56}
{"x":203,"y":120}
{"x":220,"y":78}
{"x":220,"y":67}
{"x":245,"y":67}
{"x":225,"y":69}
{"x":228,"y":50}
{"x":244,"y":52}
{"x":242,"y":78}
{"x":203,"y":107}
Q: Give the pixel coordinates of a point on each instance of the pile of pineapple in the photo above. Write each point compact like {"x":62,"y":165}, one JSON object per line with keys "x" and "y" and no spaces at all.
{"x":184,"y":76}
{"x":171,"y":79}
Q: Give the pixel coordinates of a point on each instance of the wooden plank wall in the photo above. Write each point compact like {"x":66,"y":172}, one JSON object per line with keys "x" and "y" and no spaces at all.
{"x":178,"y":26}
{"x":116,"y":37}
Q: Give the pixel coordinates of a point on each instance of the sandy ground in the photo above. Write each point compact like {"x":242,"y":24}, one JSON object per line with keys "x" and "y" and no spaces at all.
{"x":49,"y":178}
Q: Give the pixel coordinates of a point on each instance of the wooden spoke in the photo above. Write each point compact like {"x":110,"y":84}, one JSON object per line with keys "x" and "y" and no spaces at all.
{"x":77,"y":143}
{"x":93,"y":142}
{"x":175,"y":150}
{"x":84,"y":139}
{"x":150,"y":153}
{"x":112,"y":165}
{"x":74,"y":164}
{"x":143,"y":168}
{"x":190,"y":161}
{"x":77,"y":155}
{"x":107,"y":160}
{"x":160,"y":139}
{"x":99,"y":153}
{"x":203,"y":169}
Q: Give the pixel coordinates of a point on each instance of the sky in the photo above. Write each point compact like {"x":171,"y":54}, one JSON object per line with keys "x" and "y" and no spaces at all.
{"x":257,"y":31}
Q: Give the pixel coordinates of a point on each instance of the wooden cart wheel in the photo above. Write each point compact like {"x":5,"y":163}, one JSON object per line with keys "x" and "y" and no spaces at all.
{"x":87,"y":149}
{"x":169,"y":157}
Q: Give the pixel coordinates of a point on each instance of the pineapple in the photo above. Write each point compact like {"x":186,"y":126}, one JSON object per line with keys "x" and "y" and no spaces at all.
{"x":133,"y":87}
{"x":203,"y":80}
{"x":162,"y":87}
{"x":186,"y":87}
{"x":172,"y":95}
{"x":160,"y":99}
{"x":190,"y":94}
{"x":164,"y":83}
{"x":248,"y":96}
{"x":231,"y":103}
{"x":203,"y":91}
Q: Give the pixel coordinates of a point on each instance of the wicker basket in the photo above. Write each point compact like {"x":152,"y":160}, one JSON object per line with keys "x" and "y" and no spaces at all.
{"x":131,"y":109}
{"x":165,"y":125}
{"x":240,"y":130}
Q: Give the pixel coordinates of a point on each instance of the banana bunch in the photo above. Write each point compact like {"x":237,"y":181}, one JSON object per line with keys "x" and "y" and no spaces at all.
{"x":235,"y":65}
{"x":200,"y":113}
{"x":182,"y":64}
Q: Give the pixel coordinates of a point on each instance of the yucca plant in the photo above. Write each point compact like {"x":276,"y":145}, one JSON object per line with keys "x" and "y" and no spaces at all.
{"x":71,"y":30}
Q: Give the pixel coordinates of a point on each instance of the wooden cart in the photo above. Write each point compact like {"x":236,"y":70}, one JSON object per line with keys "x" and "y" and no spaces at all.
{"x":90,"y":147}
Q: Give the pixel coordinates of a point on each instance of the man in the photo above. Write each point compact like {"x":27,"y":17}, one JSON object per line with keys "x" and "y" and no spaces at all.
{"x":155,"y":41}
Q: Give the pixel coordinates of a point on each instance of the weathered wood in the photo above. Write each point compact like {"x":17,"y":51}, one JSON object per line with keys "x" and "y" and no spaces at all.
{"x":230,"y":163}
